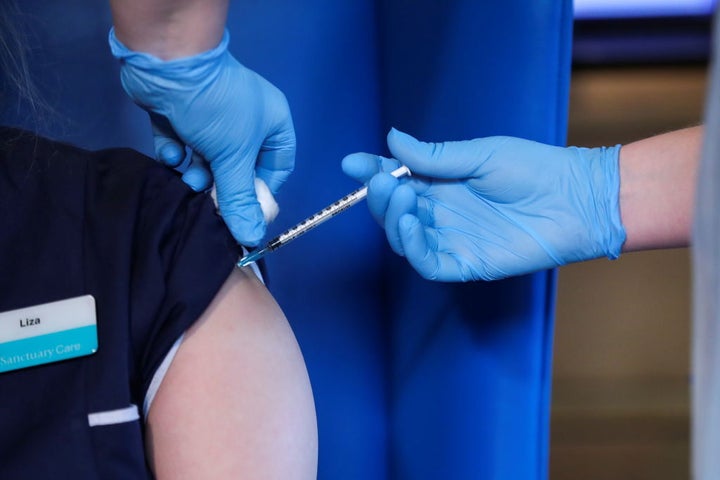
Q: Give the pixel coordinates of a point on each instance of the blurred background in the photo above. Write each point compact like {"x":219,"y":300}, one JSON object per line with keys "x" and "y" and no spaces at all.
{"x":621,"y":369}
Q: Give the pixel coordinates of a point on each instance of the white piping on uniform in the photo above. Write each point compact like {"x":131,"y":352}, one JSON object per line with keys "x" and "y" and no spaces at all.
{"x":113,"y":417}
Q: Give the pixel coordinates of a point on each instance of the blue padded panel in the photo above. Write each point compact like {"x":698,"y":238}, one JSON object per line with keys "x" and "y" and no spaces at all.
{"x":472,"y":363}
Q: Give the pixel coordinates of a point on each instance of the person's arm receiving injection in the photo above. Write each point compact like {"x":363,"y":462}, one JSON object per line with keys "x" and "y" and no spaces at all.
{"x":495,"y":207}
{"x":237,"y":124}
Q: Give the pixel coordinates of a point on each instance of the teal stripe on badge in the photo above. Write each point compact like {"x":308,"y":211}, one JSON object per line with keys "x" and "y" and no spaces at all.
{"x":50,"y":348}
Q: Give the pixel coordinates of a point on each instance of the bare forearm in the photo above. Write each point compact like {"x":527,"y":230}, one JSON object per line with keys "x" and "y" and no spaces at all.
{"x":657,"y":189}
{"x":169,"y":28}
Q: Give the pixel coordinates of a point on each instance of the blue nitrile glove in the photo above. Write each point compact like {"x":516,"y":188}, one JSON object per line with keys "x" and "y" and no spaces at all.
{"x":493,"y":207}
{"x":231,"y":118}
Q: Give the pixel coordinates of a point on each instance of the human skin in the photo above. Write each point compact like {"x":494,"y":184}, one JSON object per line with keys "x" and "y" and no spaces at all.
{"x":169,"y":29}
{"x":657,"y":189}
{"x":236,"y":401}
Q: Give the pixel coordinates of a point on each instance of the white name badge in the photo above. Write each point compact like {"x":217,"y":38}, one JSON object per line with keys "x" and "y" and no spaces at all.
{"x":48,"y":333}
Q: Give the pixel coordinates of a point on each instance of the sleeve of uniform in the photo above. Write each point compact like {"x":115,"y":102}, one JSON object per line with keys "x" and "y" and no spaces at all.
{"x":182,"y":254}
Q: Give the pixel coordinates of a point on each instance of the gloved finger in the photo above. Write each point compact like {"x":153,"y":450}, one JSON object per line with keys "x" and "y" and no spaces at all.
{"x":402,"y":202}
{"x":197,"y":175}
{"x":425,"y":208}
{"x":276,"y":160}
{"x":236,"y":198}
{"x":274,"y":167}
{"x":169,"y":149}
{"x":417,"y":250}
{"x":448,"y":160}
{"x":362,"y":166}
{"x":420,"y":246}
{"x":380,"y":189}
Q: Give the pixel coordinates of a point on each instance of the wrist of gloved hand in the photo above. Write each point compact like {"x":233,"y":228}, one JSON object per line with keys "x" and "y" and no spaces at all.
{"x":608,"y":235}
{"x":148,"y":79}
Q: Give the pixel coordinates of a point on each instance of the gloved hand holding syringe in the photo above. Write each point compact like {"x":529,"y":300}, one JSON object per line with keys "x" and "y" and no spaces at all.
{"x":313,"y":221}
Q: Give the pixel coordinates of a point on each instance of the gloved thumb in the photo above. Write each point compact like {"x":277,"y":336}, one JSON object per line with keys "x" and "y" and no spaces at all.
{"x":449,"y":160}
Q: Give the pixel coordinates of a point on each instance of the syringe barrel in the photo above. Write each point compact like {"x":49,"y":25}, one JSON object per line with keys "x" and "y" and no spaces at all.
{"x":327,"y":213}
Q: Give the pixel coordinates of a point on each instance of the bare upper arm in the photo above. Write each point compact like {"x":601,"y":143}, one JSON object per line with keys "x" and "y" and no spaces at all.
{"x":236,"y":401}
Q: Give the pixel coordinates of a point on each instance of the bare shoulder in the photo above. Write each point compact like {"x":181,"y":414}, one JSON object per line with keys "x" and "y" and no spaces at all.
{"x":236,"y":401}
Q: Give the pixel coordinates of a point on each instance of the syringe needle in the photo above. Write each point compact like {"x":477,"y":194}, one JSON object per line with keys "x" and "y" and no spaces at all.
{"x":313,"y":221}
{"x":253,"y":257}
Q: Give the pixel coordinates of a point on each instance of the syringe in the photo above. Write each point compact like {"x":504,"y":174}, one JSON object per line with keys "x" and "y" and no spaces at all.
{"x":313,"y":221}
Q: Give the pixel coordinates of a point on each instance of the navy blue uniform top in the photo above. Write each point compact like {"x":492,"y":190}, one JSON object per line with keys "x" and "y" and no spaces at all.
{"x":116,"y":225}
